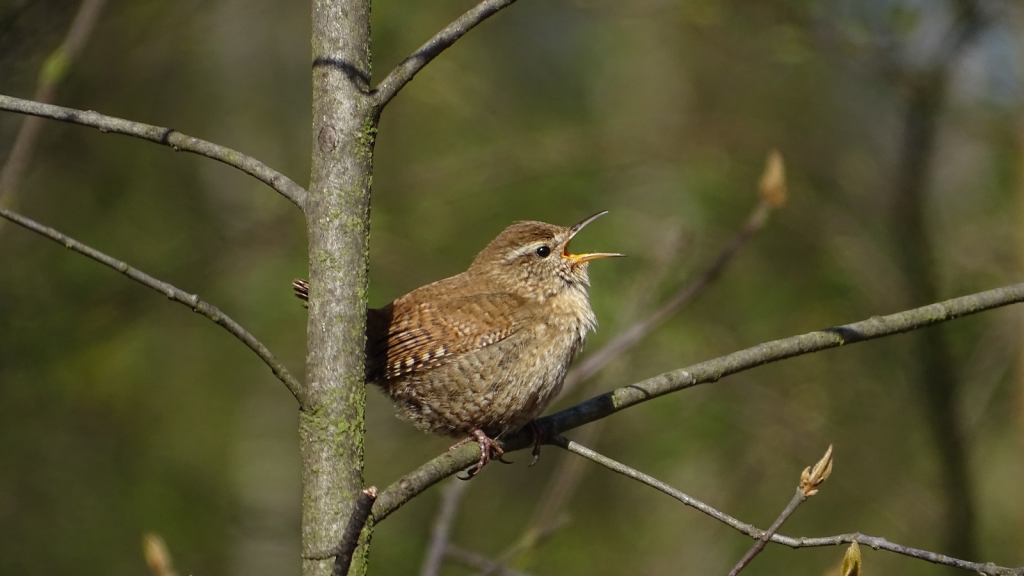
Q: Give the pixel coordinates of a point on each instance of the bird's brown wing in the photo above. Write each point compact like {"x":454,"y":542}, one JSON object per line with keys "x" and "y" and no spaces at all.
{"x":406,"y":337}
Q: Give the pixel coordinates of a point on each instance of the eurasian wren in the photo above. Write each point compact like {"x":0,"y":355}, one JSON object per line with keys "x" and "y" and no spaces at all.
{"x":484,"y":352}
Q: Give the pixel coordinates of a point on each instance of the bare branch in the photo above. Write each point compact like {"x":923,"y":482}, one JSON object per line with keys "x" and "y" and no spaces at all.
{"x":166,"y":136}
{"x":809,"y":482}
{"x":548,"y":516}
{"x":173,"y":293}
{"x":628,"y":338}
{"x":54,"y":70}
{"x":988,"y":568}
{"x":407,"y":70}
{"x":578,"y":449}
{"x":609,"y":403}
{"x":532,"y":538}
{"x":798,"y":498}
{"x":480,"y":562}
{"x":442,"y":527}
{"x":713,"y":370}
{"x":772,"y":193}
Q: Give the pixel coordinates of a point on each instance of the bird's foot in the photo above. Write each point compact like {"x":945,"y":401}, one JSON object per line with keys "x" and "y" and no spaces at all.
{"x":488,"y":449}
{"x":540,"y":435}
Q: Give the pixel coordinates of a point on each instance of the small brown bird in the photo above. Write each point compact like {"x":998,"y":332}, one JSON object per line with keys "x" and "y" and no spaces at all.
{"x":484,"y":352}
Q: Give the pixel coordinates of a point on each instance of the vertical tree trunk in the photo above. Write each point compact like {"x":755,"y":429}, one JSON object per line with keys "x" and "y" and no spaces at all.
{"x":1019,"y":397}
{"x":331,"y":426}
{"x":937,"y":369}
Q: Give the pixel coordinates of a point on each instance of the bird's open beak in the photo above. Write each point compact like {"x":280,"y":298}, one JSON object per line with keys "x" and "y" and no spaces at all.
{"x":575,"y":259}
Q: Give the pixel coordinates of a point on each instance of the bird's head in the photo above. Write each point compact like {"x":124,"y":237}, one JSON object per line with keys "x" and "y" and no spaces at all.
{"x":532,"y":259}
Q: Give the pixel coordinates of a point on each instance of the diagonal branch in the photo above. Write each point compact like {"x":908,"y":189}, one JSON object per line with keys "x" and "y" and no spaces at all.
{"x":407,"y":70}
{"x":54,"y":70}
{"x":609,"y":403}
{"x":440,"y":533}
{"x":877,"y":543}
{"x":166,"y":136}
{"x":809,"y":482}
{"x":713,"y":370}
{"x":172,"y":293}
{"x":479,"y":561}
{"x":534,"y":537}
{"x":637,"y":332}
{"x":798,"y":499}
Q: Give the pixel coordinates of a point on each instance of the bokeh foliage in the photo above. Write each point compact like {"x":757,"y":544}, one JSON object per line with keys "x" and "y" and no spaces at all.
{"x":122,"y":413}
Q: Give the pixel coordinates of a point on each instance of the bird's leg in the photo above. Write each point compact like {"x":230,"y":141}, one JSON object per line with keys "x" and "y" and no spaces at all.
{"x":487,"y":446}
{"x":461,"y":443}
{"x":539,"y":436}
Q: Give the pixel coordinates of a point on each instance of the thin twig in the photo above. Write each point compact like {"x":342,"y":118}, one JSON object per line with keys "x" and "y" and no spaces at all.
{"x":407,"y":70}
{"x":548,"y":516}
{"x":479,"y":561}
{"x":988,"y":568}
{"x":449,"y":463}
{"x":807,"y":487}
{"x":563,"y":484}
{"x":772,"y":193}
{"x":166,"y":136}
{"x":628,"y":338}
{"x":532,"y":538}
{"x":172,"y":292}
{"x":442,"y":527}
{"x":53,"y":71}
{"x":579,"y":449}
{"x":798,"y":499}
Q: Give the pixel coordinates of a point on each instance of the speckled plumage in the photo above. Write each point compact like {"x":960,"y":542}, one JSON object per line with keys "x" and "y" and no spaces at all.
{"x":488,"y":349}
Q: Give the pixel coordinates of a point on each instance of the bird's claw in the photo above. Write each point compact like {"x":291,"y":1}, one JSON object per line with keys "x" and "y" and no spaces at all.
{"x":539,"y":436}
{"x":487,"y":447}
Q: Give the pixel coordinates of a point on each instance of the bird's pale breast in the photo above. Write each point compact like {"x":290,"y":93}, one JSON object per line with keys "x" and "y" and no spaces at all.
{"x":508,"y":377}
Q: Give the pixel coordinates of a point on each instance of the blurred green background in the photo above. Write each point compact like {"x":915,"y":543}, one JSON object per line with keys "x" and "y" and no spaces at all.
{"x":122,"y":413}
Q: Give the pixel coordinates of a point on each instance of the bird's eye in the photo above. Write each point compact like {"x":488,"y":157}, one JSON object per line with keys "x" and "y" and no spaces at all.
{"x":543,"y":251}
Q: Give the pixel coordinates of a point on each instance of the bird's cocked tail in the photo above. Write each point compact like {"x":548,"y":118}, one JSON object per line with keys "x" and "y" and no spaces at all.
{"x":301,"y":288}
